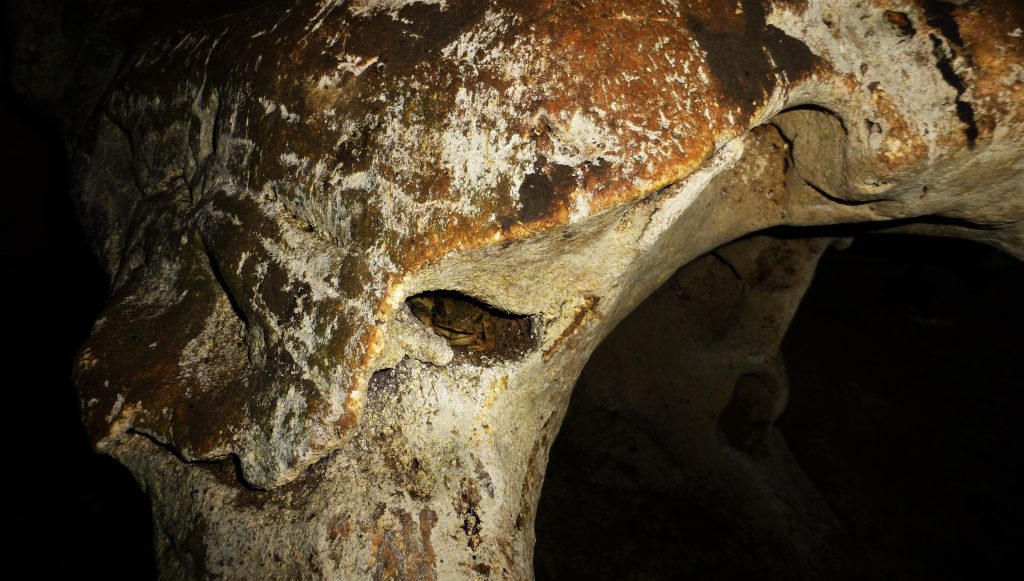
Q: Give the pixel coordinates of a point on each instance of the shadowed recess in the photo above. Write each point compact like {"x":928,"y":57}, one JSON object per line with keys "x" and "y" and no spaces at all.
{"x":475,"y":330}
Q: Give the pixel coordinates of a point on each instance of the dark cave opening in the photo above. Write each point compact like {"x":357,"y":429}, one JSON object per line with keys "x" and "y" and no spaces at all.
{"x":904,"y":386}
{"x":909,"y":429}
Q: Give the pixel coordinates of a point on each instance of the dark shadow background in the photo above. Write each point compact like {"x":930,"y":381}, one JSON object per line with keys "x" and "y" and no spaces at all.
{"x":72,"y":514}
{"x":905,"y":408}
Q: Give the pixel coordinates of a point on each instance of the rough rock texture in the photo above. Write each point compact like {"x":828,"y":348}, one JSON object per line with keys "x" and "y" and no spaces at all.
{"x":269,"y":187}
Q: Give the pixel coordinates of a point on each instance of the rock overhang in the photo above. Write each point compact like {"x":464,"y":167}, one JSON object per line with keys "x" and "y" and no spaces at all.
{"x":298,"y":172}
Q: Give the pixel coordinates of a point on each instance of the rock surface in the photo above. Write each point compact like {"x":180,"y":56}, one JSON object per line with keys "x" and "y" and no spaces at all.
{"x":278,"y":190}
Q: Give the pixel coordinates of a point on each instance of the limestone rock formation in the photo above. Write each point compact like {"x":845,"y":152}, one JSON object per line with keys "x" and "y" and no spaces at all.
{"x":361,"y":251}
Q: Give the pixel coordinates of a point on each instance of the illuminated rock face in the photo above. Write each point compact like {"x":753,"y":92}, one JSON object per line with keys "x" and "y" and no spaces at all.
{"x":361,"y":251}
